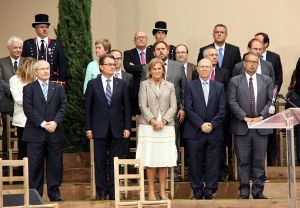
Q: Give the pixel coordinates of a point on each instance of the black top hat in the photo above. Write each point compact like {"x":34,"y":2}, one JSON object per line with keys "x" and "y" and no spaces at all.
{"x":41,"y":19}
{"x":160,"y":26}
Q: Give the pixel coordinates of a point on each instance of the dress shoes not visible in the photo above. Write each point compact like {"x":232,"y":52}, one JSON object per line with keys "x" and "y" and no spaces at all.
{"x":260,"y":196}
{"x":111,"y":197}
{"x":161,"y":197}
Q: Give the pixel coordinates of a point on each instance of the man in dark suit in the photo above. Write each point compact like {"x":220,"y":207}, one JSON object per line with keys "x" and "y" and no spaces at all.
{"x":181,"y":54}
{"x":264,"y":67}
{"x":174,"y":74}
{"x":204,"y":102}
{"x":107,"y":121}
{"x":128,"y":79}
{"x":134,"y":62}
{"x":45,"y":106}
{"x":274,"y":59}
{"x":160,"y":32}
{"x":44,"y":48}
{"x":249,"y":98}
{"x":8,"y":67}
{"x":228,"y":55}
{"x":220,"y":75}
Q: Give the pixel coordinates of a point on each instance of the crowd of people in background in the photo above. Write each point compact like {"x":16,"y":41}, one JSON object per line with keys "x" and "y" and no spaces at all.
{"x":198,"y":106}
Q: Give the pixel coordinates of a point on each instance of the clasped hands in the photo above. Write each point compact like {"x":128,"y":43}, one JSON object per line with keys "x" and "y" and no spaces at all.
{"x":157,"y":125}
{"x":50,"y":126}
{"x":206,"y":127}
{"x":255,"y":119}
{"x":89,"y":134}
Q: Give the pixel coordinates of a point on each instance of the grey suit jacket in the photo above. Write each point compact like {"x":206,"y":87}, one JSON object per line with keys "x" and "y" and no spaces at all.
{"x":176,"y":75}
{"x":238,"y":100}
{"x":151,"y":101}
{"x":6,"y":72}
{"x":266,"y":68}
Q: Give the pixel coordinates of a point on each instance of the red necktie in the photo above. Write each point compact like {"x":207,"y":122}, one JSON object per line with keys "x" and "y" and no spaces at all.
{"x":212,"y":76}
{"x":143,"y":60}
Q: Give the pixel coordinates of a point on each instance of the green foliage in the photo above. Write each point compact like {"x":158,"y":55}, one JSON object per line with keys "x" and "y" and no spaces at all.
{"x":74,"y":30}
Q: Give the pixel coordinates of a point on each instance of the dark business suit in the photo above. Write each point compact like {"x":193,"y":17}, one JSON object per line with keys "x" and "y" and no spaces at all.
{"x":42,"y":145}
{"x":132,"y":65}
{"x":107,"y":123}
{"x":231,"y":56}
{"x":7,"y":103}
{"x":250,"y":144}
{"x":203,"y":149}
{"x":55,"y":56}
{"x":266,"y":69}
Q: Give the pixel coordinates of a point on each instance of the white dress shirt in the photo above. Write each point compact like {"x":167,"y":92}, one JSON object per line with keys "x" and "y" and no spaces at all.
{"x":104,"y":83}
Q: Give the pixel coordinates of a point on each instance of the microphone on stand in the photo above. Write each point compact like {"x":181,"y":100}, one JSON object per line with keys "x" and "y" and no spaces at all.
{"x":272,"y":107}
{"x":287,"y":100}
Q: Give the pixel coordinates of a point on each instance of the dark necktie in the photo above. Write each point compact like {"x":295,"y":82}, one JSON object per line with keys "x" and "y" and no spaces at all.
{"x":108,"y":92}
{"x":252,"y":98}
{"x":43,"y":56}
{"x":15,"y":65}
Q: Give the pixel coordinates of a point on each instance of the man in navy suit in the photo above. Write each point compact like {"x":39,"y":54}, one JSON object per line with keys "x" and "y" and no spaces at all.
{"x":204,"y":102}
{"x":44,"y":48}
{"x":45,"y":106}
{"x":134,"y":62}
{"x":107,"y":121}
{"x":228,"y":54}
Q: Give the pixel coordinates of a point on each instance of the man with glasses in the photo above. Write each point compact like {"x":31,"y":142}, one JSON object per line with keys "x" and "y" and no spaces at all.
{"x":181,"y":52}
{"x":204,"y":102}
{"x":44,"y":48}
{"x":249,"y":98}
{"x":135,"y":61}
{"x":108,"y":122}
{"x":228,"y":54}
{"x":264,"y":67}
{"x":45,"y":106}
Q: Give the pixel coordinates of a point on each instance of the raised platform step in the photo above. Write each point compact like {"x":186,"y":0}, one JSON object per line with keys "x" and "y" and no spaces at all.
{"x":227,"y":190}
{"x":270,"y":203}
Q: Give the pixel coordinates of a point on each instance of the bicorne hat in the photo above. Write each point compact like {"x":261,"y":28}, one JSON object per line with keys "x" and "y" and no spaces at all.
{"x":160,"y":26}
{"x":41,"y":19}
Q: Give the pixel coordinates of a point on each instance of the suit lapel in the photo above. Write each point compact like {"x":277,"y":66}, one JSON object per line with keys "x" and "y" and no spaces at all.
{"x":101,"y":90}
{"x":116,"y":88}
{"x":153,"y":87}
{"x":201,"y":92}
{"x":259,"y":86}
{"x":39,"y":90}
{"x":245,"y":90}
{"x":51,"y":90}
{"x":10,"y":65}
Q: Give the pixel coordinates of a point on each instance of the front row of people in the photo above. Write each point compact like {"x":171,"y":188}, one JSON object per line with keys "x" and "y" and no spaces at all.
{"x":108,"y":117}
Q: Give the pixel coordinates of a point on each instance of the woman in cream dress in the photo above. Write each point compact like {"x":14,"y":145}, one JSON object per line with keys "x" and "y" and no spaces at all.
{"x":156,"y":133}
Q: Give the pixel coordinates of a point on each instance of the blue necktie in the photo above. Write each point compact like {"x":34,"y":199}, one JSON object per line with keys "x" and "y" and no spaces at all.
{"x":45,"y":90}
{"x":108,"y":92}
{"x":220,"y":57}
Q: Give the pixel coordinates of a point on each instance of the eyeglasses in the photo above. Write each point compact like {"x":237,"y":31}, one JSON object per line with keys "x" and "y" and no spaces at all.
{"x":117,"y":58}
{"x":45,"y":69}
{"x":114,"y":65}
{"x":140,"y":37}
{"x":204,"y":67}
{"x":251,"y":62}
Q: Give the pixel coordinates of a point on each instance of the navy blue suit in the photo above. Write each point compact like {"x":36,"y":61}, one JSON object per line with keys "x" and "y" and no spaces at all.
{"x":41,"y":144}
{"x":107,"y":123}
{"x":204,"y":148}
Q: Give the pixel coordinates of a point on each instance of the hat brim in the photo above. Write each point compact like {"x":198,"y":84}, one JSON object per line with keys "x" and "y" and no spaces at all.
{"x":39,"y":23}
{"x":155,"y":30}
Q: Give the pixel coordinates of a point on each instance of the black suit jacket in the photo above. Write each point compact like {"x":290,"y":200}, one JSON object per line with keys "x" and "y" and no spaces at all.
{"x":55,"y":57}
{"x":99,"y":116}
{"x":232,"y":55}
{"x":197,"y":112}
{"x":133,"y":66}
{"x":221,"y":75}
{"x":37,"y":110}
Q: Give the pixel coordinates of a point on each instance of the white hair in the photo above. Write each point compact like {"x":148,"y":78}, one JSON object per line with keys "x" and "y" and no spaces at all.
{"x":14,"y":39}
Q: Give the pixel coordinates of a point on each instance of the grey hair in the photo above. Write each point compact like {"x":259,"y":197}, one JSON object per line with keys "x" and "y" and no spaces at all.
{"x":14,"y":39}
{"x":37,"y":63}
{"x":205,"y":52}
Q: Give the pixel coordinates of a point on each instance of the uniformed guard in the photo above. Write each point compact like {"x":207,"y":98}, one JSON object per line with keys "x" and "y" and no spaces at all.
{"x":44,"y":48}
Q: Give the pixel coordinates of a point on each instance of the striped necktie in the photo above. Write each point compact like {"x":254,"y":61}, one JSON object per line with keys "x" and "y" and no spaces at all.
{"x":45,"y":90}
{"x":108,"y":92}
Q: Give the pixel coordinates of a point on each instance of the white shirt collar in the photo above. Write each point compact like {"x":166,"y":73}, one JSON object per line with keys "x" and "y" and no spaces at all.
{"x":39,"y":40}
{"x":13,"y":60}
{"x":139,"y":51}
{"x":248,"y":76}
{"x":202,"y":81}
{"x":217,"y":47}
{"x":41,"y":82}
